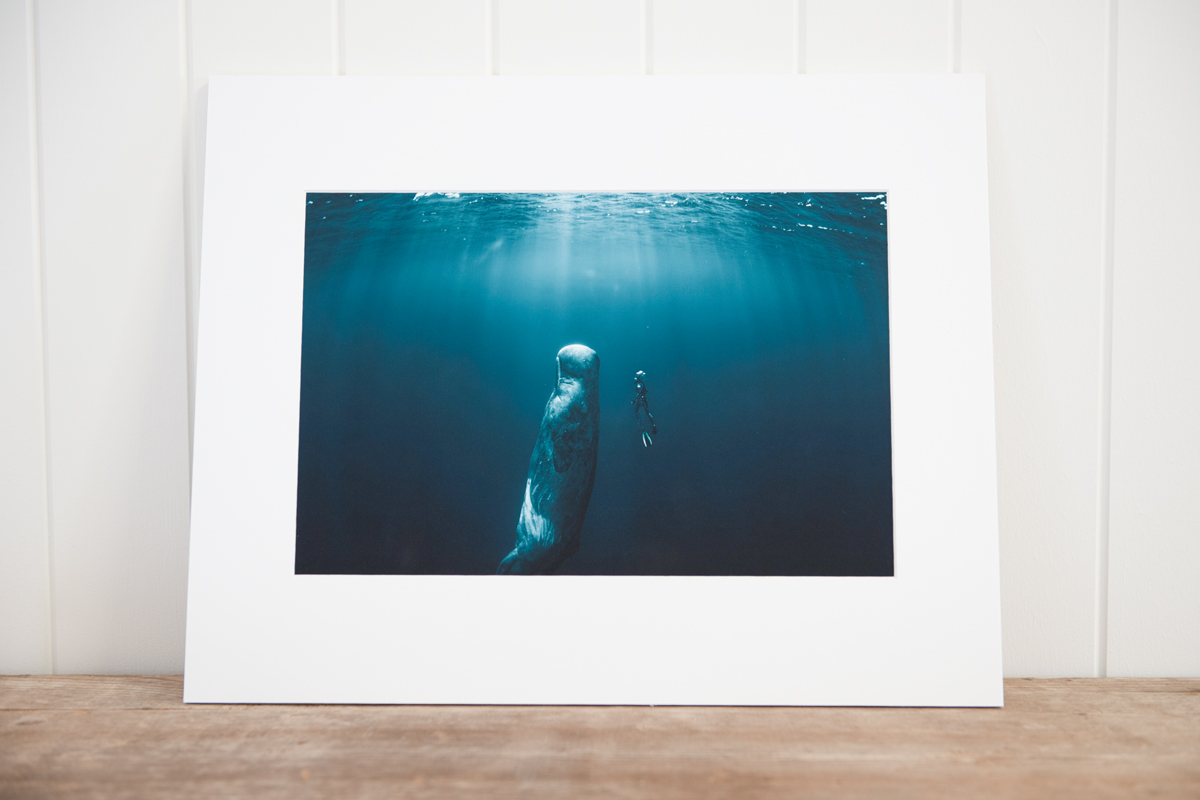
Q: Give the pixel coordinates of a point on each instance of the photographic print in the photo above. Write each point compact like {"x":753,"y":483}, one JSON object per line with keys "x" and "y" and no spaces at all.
{"x":595,"y":384}
{"x":499,"y":400}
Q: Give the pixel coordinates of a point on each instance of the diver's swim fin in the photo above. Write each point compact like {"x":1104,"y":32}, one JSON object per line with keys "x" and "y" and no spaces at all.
{"x":646,"y":440}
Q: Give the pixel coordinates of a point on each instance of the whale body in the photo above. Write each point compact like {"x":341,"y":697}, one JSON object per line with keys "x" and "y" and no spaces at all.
{"x":562,"y":468}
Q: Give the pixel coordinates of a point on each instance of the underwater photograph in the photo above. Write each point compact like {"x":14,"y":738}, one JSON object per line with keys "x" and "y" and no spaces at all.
{"x":595,"y":384}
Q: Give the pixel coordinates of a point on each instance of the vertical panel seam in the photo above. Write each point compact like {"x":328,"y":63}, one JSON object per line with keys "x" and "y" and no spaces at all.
{"x":35,"y":189}
{"x":1104,"y":421}
{"x":337,"y":37}
{"x":191,"y":284}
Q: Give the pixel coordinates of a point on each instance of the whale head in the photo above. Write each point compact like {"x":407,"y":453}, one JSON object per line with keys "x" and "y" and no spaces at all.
{"x":578,"y":362}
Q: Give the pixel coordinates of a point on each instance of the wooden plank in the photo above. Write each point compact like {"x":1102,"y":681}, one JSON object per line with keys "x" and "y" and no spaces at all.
{"x":1055,"y":739}
{"x":18,"y":692}
{"x":24,"y":531}
{"x":1154,"y":589}
{"x":111,"y":114}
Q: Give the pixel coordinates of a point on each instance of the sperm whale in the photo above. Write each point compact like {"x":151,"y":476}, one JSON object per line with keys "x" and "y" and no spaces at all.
{"x":562,"y":468}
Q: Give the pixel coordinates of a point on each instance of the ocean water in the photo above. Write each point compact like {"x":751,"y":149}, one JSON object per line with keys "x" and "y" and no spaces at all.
{"x":431,"y":325}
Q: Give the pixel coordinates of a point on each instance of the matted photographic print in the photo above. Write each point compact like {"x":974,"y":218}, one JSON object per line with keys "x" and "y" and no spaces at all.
{"x":595,"y":384}
{"x":595,"y":390}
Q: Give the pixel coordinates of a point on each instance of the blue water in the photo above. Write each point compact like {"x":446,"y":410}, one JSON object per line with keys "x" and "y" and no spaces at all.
{"x":431,"y":324}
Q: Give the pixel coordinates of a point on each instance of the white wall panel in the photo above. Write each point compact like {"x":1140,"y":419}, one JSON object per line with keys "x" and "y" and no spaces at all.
{"x":260,"y":37}
{"x":111,"y":137}
{"x":582,"y":37}
{"x":242,"y":37}
{"x":414,"y":37}
{"x":1154,"y":588}
{"x":863,"y":36}
{"x":1045,"y":66}
{"x":24,"y":553}
{"x":715,"y":36}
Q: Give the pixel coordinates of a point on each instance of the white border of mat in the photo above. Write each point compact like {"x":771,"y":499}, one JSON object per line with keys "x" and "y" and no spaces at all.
{"x":256,"y":632}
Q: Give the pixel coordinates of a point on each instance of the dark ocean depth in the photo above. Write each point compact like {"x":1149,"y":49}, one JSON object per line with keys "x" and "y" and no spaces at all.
{"x":431,"y":324}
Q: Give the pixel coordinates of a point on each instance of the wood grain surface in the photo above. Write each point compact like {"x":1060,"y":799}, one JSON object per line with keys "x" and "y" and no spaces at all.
{"x":132,"y":737}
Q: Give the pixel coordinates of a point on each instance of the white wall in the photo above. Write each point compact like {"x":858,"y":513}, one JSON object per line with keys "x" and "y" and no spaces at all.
{"x":1092,"y":112}
{"x":1154,"y":557}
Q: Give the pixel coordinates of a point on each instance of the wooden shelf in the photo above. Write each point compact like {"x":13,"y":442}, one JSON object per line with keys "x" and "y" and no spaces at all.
{"x":132,"y":737}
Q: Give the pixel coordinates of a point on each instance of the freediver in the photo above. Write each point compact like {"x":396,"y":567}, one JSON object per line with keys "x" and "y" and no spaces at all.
{"x":642,"y":404}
